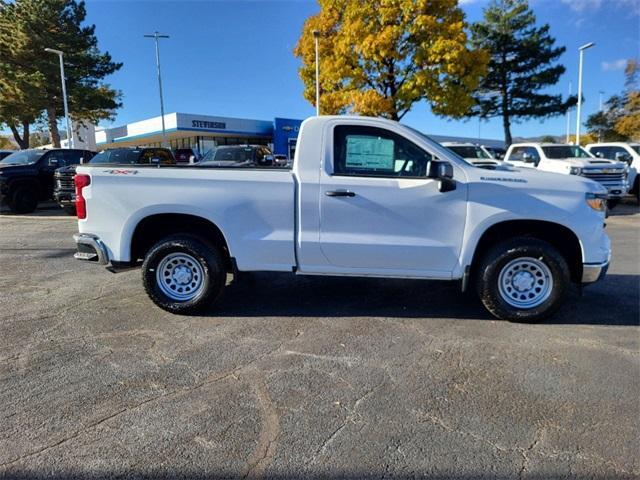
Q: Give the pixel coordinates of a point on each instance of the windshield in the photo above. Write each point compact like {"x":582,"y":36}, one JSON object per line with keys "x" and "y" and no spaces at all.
{"x":23,"y":157}
{"x":469,"y":151}
{"x":118,"y":155}
{"x":565,"y":151}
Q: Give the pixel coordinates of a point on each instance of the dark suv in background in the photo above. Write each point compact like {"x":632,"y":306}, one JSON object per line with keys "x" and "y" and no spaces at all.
{"x":65,"y":191}
{"x":26,"y":176}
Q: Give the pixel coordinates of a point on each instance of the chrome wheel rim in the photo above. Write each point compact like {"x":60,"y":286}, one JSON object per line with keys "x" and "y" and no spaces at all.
{"x":180,"y":276}
{"x":525,"y":282}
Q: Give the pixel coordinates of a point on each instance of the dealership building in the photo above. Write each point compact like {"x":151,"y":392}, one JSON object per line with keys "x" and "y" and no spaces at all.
{"x":205,"y":132}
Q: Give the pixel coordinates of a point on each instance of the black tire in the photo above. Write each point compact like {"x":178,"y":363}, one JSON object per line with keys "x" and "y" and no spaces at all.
{"x":23,"y":200}
{"x":70,"y":210}
{"x":504,"y":254}
{"x":211,"y":265}
{"x":613,"y":203}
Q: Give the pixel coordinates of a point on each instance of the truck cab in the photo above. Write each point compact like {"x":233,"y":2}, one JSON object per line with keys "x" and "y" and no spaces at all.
{"x":571,"y":160}
{"x":627,"y":152}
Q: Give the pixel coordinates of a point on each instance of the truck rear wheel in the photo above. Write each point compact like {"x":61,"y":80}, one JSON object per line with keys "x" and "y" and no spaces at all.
{"x":522,"y":279}
{"x":183,"y":274}
{"x":23,"y":200}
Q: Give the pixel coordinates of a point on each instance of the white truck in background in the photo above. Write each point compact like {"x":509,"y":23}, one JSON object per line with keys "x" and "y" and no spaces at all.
{"x":478,"y":155}
{"x":365,"y":197}
{"x":627,"y":152}
{"x":572,"y":160}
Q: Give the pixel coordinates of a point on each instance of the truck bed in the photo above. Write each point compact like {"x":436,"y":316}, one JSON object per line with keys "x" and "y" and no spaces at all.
{"x":253,"y":207}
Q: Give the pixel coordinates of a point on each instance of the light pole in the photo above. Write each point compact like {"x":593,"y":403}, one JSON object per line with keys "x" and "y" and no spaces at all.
{"x":569,"y":117}
{"x":156,"y":36}
{"x":70,"y":142}
{"x":581,"y":49}
{"x":316,"y":37}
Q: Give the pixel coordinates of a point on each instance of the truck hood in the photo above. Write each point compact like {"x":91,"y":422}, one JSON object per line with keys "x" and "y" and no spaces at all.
{"x":17,"y":169}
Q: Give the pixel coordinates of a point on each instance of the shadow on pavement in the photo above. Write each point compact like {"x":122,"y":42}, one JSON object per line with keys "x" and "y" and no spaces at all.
{"x":614,"y":301}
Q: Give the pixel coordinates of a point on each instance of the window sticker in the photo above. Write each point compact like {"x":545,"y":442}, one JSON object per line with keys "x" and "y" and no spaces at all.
{"x":366,"y":152}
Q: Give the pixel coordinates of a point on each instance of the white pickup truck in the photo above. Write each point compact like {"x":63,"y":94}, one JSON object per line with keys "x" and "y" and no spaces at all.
{"x":365,"y":197}
{"x":621,"y":152}
{"x":572,"y":160}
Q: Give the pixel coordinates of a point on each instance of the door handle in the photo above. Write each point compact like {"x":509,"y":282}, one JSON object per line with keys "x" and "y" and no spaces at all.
{"x":339,"y":193}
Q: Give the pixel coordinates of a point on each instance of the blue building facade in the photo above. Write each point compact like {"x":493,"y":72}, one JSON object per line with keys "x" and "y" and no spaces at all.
{"x":285,"y":136}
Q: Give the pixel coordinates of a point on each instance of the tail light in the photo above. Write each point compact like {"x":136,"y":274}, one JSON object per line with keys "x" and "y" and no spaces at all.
{"x":80,"y":182}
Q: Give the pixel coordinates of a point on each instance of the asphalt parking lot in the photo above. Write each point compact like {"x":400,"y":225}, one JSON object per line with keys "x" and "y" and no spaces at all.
{"x":314,"y":377}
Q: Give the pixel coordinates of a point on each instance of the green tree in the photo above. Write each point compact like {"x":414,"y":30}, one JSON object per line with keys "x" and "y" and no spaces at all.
{"x":522,"y":65}
{"x":27,"y":27}
{"x":379,"y":57}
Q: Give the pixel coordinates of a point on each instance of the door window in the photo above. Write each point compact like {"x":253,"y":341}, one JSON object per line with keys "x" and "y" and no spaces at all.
{"x":370,"y":151}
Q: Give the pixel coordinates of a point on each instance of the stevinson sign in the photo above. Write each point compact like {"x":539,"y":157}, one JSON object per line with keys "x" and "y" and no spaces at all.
{"x":206,"y":124}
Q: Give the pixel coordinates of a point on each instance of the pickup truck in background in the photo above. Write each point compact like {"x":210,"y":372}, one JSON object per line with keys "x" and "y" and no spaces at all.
{"x":572,"y":160}
{"x":365,"y":197}
{"x":27,"y":176}
{"x":621,"y":152}
{"x":476,"y":154}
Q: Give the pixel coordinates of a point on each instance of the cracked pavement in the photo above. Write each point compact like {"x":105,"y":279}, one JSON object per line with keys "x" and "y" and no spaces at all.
{"x":315,"y":377}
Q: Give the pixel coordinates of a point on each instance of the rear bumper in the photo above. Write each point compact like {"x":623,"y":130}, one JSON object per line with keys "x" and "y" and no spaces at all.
{"x":592,"y":273}
{"x":90,"y":248}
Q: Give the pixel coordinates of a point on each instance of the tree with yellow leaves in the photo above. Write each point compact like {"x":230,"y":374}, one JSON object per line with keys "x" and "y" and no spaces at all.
{"x":379,"y":57}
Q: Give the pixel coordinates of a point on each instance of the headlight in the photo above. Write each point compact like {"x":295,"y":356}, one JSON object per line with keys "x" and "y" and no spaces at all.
{"x":575,"y":170}
{"x":597,"y":201}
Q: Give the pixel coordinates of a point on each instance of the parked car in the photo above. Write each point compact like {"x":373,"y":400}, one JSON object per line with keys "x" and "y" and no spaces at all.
{"x":621,"y":152}
{"x":476,"y":154}
{"x":6,"y":153}
{"x":186,"y":156}
{"x":238,"y":156}
{"x":26,"y":176}
{"x":64,"y":190}
{"x":572,"y":160}
{"x":366,"y":197}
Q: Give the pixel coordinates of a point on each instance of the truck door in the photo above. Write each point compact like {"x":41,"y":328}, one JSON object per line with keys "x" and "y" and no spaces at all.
{"x":380,"y":214}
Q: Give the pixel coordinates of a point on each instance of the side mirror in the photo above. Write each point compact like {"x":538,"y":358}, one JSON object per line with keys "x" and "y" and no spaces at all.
{"x":268,"y":159}
{"x":53,"y":162}
{"x":155,"y":160}
{"x":600,"y":155}
{"x":443,"y":171}
{"x":623,"y":157}
{"x":527,"y":158}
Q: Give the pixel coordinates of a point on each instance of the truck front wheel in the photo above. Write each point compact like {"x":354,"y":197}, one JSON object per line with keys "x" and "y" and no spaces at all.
{"x":522,"y":279}
{"x":184,"y":274}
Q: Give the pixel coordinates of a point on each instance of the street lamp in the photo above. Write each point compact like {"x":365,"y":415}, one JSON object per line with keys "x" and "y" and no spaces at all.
{"x":569,"y":116}
{"x":316,"y":36}
{"x":581,"y":49}
{"x":70,"y":142}
{"x":157,"y":36}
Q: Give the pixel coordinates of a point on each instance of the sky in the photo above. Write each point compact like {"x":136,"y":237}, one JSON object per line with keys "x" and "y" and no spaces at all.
{"x":235,"y":58}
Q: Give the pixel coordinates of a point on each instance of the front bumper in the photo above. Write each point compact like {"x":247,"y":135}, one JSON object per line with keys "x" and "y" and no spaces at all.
{"x":64,"y":198}
{"x":594,"y":272}
{"x":90,"y":248}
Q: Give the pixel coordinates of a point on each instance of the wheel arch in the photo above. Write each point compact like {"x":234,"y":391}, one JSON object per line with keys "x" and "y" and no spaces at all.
{"x":152,"y":228}
{"x":559,"y":236}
